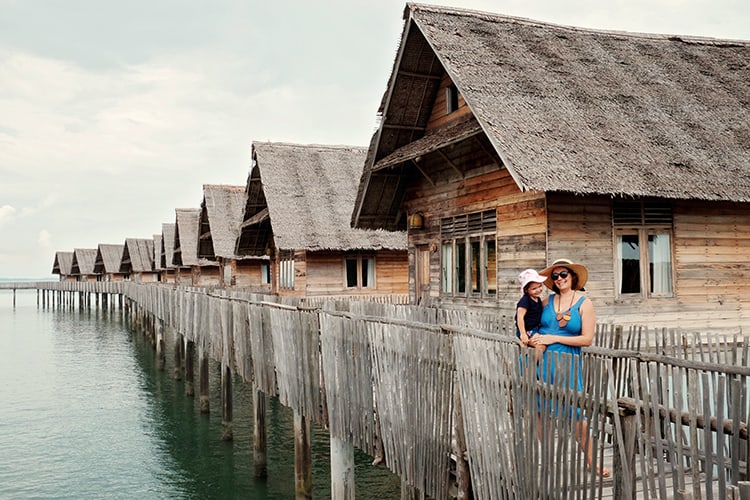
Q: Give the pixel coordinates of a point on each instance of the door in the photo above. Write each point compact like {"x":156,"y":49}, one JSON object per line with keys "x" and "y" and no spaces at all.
{"x":422,"y":267}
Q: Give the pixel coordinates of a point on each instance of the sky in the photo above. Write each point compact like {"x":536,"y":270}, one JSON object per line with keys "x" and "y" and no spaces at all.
{"x":113,"y":114}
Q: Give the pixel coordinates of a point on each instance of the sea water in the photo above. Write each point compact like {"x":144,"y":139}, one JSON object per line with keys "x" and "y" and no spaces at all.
{"x":85,"y":413}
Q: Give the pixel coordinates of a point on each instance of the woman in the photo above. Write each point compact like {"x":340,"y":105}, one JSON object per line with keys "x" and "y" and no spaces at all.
{"x":568,"y":323}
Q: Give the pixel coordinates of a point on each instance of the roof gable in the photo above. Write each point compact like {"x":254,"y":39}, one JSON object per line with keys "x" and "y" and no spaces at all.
{"x":63,"y":263}
{"x":158,"y":250}
{"x":108,"y":258}
{"x":167,"y":254}
{"x":221,"y":215}
{"x":309,"y":192}
{"x":186,"y":236}
{"x":138,"y":256}
{"x":562,"y":103}
{"x":83,"y":261}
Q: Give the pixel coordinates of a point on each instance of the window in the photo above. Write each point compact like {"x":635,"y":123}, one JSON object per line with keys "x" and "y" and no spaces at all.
{"x":227,"y":273}
{"x":360,"y":271}
{"x":643,"y":245}
{"x":265,"y":273}
{"x":451,"y":98}
{"x":286,"y":270}
{"x":469,"y":258}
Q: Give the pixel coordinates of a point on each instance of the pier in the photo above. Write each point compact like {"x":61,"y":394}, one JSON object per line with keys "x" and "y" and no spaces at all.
{"x":447,"y":400}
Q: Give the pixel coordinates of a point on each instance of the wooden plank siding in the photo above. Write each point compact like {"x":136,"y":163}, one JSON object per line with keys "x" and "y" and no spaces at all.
{"x":248,"y":274}
{"x":324,"y":273}
{"x":439,"y":117}
{"x":521,"y":228}
{"x":712,"y":279}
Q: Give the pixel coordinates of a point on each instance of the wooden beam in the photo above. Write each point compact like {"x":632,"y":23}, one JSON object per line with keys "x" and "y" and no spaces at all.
{"x":420,"y":75}
{"x":403,"y":127}
{"x":255,"y":219}
{"x":443,"y":155}
{"x":423,"y":173}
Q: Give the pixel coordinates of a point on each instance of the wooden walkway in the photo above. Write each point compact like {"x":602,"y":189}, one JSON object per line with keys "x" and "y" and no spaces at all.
{"x":453,"y":407}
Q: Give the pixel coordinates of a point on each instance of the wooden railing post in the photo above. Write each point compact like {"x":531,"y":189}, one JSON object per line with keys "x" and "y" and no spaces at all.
{"x":463,"y":475}
{"x":744,"y":490}
{"x":624,"y":457}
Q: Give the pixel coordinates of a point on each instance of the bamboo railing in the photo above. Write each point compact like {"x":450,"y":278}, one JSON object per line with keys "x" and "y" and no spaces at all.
{"x":431,"y":390}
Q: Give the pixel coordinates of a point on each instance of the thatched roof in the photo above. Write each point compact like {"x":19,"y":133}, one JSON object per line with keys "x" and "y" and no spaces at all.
{"x":83,"y":261}
{"x":187,"y":224}
{"x":576,"y":110}
{"x":158,"y":249}
{"x":138,"y":255}
{"x":309,"y":193}
{"x":108,"y":258}
{"x":221,"y":216}
{"x":63,"y":263}
{"x":167,"y":254}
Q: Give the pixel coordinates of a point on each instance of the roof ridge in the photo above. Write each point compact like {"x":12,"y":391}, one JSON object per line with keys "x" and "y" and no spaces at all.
{"x":494,"y":17}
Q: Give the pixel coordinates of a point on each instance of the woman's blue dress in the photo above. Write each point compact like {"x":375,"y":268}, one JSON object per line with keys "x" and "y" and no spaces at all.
{"x":550,"y":326}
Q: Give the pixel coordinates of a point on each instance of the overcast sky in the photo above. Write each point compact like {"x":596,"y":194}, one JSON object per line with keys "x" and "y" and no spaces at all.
{"x":113,"y":114}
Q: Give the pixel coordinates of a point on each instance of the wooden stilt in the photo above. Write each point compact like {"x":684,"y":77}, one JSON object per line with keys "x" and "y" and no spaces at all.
{"x":161,"y":355}
{"x":410,"y":492}
{"x":260,"y":452}
{"x":205,"y":404}
{"x":342,"y":469}
{"x":189,"y":368}
{"x":177,"y":372}
{"x":302,"y":457}
{"x":227,"y":434}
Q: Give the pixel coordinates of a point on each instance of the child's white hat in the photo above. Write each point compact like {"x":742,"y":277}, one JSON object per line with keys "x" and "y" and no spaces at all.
{"x":530,"y":275}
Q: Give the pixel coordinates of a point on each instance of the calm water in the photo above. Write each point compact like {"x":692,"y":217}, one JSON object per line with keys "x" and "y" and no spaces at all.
{"x":85,"y":414}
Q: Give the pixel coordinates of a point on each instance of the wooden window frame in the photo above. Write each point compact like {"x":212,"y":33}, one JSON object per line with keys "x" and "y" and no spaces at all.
{"x":459,"y":234}
{"x":643,"y":219}
{"x":359,"y":258}
{"x":286,"y":270}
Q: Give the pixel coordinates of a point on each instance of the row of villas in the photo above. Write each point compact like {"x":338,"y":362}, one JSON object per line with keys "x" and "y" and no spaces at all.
{"x":285,"y":232}
{"x":506,"y":143}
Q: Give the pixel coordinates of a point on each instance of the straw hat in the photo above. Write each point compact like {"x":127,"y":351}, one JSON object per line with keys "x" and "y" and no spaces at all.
{"x":578,"y":269}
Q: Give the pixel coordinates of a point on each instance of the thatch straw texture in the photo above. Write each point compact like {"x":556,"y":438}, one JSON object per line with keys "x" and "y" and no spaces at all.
{"x":63,"y":263}
{"x":310,"y":192}
{"x":577,"y":110}
{"x":223,"y":206}
{"x":138,"y":255}
{"x":108,"y":258}
{"x":83,"y":261}
{"x":167,"y":233}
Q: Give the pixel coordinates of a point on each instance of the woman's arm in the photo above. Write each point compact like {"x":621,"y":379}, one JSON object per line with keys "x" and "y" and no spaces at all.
{"x":588,"y":328}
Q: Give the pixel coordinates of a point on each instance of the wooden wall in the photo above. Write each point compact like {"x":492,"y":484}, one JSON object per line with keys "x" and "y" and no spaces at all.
{"x":711,"y":264}
{"x":325,"y":274}
{"x":439,"y":115}
{"x":247,"y":274}
{"x":207,"y":276}
{"x":521,"y":229}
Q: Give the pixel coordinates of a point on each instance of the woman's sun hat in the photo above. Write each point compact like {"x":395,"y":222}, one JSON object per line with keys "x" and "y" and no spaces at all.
{"x":528,"y":276}
{"x":579,"y":270}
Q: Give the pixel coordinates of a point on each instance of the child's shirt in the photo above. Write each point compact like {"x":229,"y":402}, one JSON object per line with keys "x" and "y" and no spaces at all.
{"x":533,"y":317}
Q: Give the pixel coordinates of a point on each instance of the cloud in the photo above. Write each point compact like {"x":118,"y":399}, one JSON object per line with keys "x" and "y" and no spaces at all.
{"x":45,"y":238}
{"x":6,"y":213}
